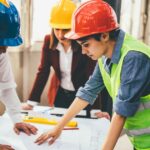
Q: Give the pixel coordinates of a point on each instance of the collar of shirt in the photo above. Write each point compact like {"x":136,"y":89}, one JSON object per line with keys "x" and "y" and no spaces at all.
{"x":116,"y":54}
{"x":61,"y":48}
{"x":117,"y":50}
{"x":65,"y":67}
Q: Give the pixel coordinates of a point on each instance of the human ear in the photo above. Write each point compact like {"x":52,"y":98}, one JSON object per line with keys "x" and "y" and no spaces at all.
{"x":105,"y":37}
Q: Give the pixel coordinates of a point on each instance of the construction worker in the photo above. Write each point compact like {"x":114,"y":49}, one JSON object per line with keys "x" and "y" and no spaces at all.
{"x":10,"y":36}
{"x":123,"y":68}
{"x":72,"y":69}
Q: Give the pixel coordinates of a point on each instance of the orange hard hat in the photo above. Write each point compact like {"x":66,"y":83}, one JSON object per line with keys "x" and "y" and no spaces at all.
{"x":92,"y":17}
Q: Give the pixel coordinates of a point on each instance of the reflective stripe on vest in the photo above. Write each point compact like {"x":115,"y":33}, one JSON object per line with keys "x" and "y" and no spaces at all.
{"x":144,"y":105}
{"x":137,"y":132}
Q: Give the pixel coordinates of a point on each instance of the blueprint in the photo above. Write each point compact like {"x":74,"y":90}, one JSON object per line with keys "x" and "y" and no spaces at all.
{"x":89,"y":136}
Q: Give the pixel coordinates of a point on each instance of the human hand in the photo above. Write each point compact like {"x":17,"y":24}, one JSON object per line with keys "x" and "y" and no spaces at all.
{"x":26,"y":106}
{"x":27,"y":128}
{"x":102,"y":114}
{"x":6,"y":147}
{"x":51,"y":136}
{"x":2,"y":108}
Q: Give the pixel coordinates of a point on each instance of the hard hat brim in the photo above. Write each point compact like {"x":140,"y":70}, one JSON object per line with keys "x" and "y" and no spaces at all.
{"x":60,"y":26}
{"x":73,"y":36}
{"x":11,"y":41}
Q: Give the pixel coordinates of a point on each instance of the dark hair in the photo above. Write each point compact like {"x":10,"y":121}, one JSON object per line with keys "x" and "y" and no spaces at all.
{"x":54,"y":41}
{"x":112,"y":34}
{"x":95,"y":36}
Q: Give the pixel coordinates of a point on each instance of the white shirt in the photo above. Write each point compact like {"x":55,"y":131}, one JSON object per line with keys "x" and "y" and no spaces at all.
{"x":65,"y":67}
{"x":8,"y":93}
{"x":65,"y":60}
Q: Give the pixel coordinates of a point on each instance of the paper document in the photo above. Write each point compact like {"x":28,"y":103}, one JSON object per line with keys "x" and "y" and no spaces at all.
{"x":90,"y":136}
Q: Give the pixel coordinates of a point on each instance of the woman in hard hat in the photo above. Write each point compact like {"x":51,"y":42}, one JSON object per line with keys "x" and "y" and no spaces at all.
{"x":71,"y":67}
{"x":123,"y":68}
{"x":10,"y":36}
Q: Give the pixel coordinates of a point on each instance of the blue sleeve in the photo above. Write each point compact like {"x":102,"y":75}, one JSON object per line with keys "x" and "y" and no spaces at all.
{"x":135,"y":82}
{"x":92,"y":87}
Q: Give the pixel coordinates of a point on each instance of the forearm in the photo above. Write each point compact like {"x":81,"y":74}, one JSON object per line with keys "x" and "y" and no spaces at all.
{"x":77,"y":105}
{"x":12,"y":103}
{"x":114,"y":132}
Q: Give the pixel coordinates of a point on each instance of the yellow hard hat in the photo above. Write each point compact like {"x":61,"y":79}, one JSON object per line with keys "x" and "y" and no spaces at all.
{"x":61,"y":14}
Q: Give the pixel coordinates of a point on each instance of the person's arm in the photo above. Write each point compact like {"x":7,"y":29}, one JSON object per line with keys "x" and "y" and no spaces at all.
{"x":41,"y":77}
{"x":10,"y":99}
{"x":84,"y":96}
{"x":114,"y":132}
{"x":6,"y":147}
{"x":133,"y":81}
{"x":92,"y":87}
{"x":77,"y":105}
{"x":29,"y":105}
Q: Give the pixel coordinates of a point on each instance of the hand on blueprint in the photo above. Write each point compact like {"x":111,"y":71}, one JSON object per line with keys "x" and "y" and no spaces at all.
{"x":26,"y":106}
{"x":51,"y":135}
{"x":27,"y":128}
{"x":102,"y":114}
{"x":6,"y":147}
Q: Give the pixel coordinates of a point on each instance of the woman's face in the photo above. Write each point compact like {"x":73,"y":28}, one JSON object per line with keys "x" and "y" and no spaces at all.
{"x":3,"y":49}
{"x":96,"y":49}
{"x":60,"y":35}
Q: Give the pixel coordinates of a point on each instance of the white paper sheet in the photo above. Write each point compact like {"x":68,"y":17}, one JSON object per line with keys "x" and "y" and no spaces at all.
{"x":7,"y":135}
{"x":90,"y":136}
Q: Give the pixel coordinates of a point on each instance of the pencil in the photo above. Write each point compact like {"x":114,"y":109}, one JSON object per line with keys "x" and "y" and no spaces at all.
{"x":71,"y":129}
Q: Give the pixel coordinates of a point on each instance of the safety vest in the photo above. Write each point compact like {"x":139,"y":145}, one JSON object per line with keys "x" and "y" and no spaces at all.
{"x":137,"y":127}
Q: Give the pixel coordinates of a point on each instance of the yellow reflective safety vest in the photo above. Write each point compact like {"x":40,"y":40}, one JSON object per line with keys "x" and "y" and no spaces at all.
{"x":137,"y":127}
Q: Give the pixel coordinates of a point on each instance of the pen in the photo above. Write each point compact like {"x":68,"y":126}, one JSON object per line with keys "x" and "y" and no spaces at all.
{"x":71,"y":129}
{"x":24,"y":112}
{"x":77,"y":116}
{"x":59,"y":115}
